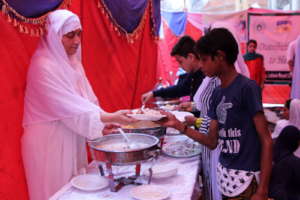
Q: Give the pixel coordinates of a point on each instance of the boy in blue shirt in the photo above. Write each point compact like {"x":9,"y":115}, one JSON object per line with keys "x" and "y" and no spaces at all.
{"x":238,"y":123}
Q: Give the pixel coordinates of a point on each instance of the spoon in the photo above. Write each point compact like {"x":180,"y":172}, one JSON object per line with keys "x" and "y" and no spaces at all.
{"x":125,"y":137}
{"x":142,"y":108}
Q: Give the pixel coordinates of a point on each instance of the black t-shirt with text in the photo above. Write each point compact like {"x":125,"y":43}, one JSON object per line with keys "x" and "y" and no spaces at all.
{"x":234,"y":108}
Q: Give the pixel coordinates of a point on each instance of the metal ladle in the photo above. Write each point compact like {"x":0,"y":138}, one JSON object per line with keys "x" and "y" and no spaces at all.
{"x":125,"y":137}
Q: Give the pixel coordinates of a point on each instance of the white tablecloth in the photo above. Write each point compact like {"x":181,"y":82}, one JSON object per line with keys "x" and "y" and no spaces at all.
{"x":181,"y":186}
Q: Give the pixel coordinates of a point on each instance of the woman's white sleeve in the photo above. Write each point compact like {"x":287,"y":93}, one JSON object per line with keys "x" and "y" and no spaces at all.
{"x":87,"y":125}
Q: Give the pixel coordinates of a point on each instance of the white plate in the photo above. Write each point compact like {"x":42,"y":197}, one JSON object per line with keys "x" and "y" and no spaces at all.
{"x":162,"y":171}
{"x":149,"y":192}
{"x":180,"y":115}
{"x":89,"y":182}
{"x":172,"y":131}
{"x":168,"y":107}
{"x":182,"y":149}
{"x":146,"y":117}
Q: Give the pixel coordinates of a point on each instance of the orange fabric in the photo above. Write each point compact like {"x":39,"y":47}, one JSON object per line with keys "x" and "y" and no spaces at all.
{"x":257,"y":70}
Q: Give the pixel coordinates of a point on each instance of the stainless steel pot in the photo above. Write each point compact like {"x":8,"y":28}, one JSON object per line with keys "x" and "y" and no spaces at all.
{"x":149,"y":150}
{"x":155,"y":131}
{"x":170,"y":102}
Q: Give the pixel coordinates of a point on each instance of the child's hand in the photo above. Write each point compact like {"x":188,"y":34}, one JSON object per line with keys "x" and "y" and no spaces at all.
{"x":190,"y":120}
{"x":185,"y":106}
{"x":169,"y":121}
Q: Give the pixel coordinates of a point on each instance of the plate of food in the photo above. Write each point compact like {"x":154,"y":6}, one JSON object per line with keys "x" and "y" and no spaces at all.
{"x":146,"y":114}
{"x":162,"y":171}
{"x":89,"y":182}
{"x":180,"y":115}
{"x":182,"y":149}
{"x":149,"y":192}
{"x":168,"y":107}
{"x":172,"y":131}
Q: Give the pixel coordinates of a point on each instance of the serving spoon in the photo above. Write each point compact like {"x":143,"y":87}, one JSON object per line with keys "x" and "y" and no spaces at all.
{"x":143,"y":108}
{"x":125,"y":137}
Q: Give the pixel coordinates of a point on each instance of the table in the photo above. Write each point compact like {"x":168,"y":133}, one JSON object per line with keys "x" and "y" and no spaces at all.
{"x":181,"y":187}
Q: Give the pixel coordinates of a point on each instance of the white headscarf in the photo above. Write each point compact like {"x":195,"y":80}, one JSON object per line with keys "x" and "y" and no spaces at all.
{"x":57,"y":87}
{"x":294,"y":117}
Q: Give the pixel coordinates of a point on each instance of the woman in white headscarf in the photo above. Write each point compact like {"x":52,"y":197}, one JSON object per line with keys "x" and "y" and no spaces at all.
{"x":61,"y":109}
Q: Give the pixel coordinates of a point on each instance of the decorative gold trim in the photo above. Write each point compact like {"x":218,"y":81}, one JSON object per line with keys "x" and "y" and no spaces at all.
{"x":33,"y":26}
{"x":131,"y":37}
{"x":156,"y":37}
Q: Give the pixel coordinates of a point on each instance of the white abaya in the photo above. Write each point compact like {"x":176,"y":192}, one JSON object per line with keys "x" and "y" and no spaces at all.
{"x":60,"y":112}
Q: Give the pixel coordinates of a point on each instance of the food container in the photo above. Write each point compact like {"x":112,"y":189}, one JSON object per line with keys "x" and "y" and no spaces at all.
{"x":155,"y":131}
{"x":159,"y":104}
{"x":146,"y":127}
{"x":113,"y":149}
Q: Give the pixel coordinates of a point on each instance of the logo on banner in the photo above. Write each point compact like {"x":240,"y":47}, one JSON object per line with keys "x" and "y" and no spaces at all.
{"x":260,"y":27}
{"x":283,"y":26}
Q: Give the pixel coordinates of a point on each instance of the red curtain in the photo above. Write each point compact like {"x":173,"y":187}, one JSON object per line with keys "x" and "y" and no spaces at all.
{"x":15,"y":52}
{"x":119,"y":73}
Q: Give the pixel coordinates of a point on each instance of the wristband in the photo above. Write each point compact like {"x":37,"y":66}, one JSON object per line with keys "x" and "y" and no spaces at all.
{"x":198,"y":122}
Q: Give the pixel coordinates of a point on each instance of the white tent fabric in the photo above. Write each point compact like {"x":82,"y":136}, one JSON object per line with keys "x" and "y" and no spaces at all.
{"x":61,"y":110}
{"x":295,"y":93}
{"x":295,"y":113}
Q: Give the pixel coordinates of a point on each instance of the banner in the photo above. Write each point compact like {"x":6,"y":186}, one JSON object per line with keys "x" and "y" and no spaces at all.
{"x":235,"y":22}
{"x":273,"y":33}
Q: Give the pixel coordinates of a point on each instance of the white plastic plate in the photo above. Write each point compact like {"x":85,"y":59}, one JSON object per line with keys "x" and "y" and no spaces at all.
{"x":149,"y":192}
{"x":180,"y":115}
{"x":146,"y":117}
{"x":89,"y":182}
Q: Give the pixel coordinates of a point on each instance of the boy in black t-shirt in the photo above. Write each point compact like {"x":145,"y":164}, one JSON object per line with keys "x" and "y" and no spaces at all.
{"x":238,"y":123}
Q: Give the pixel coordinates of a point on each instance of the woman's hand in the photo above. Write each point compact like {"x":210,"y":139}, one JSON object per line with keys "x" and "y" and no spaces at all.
{"x":110,"y":128}
{"x":121,"y":117}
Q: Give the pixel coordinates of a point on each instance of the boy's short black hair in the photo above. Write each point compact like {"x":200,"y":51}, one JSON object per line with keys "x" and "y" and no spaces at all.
{"x":252,"y":41}
{"x":288,"y":103}
{"x":184,"y":46}
{"x":218,"y":39}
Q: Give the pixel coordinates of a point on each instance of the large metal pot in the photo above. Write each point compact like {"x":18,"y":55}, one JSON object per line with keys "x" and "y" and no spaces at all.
{"x":155,"y":131}
{"x":167,"y":102}
{"x":101,"y":152}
